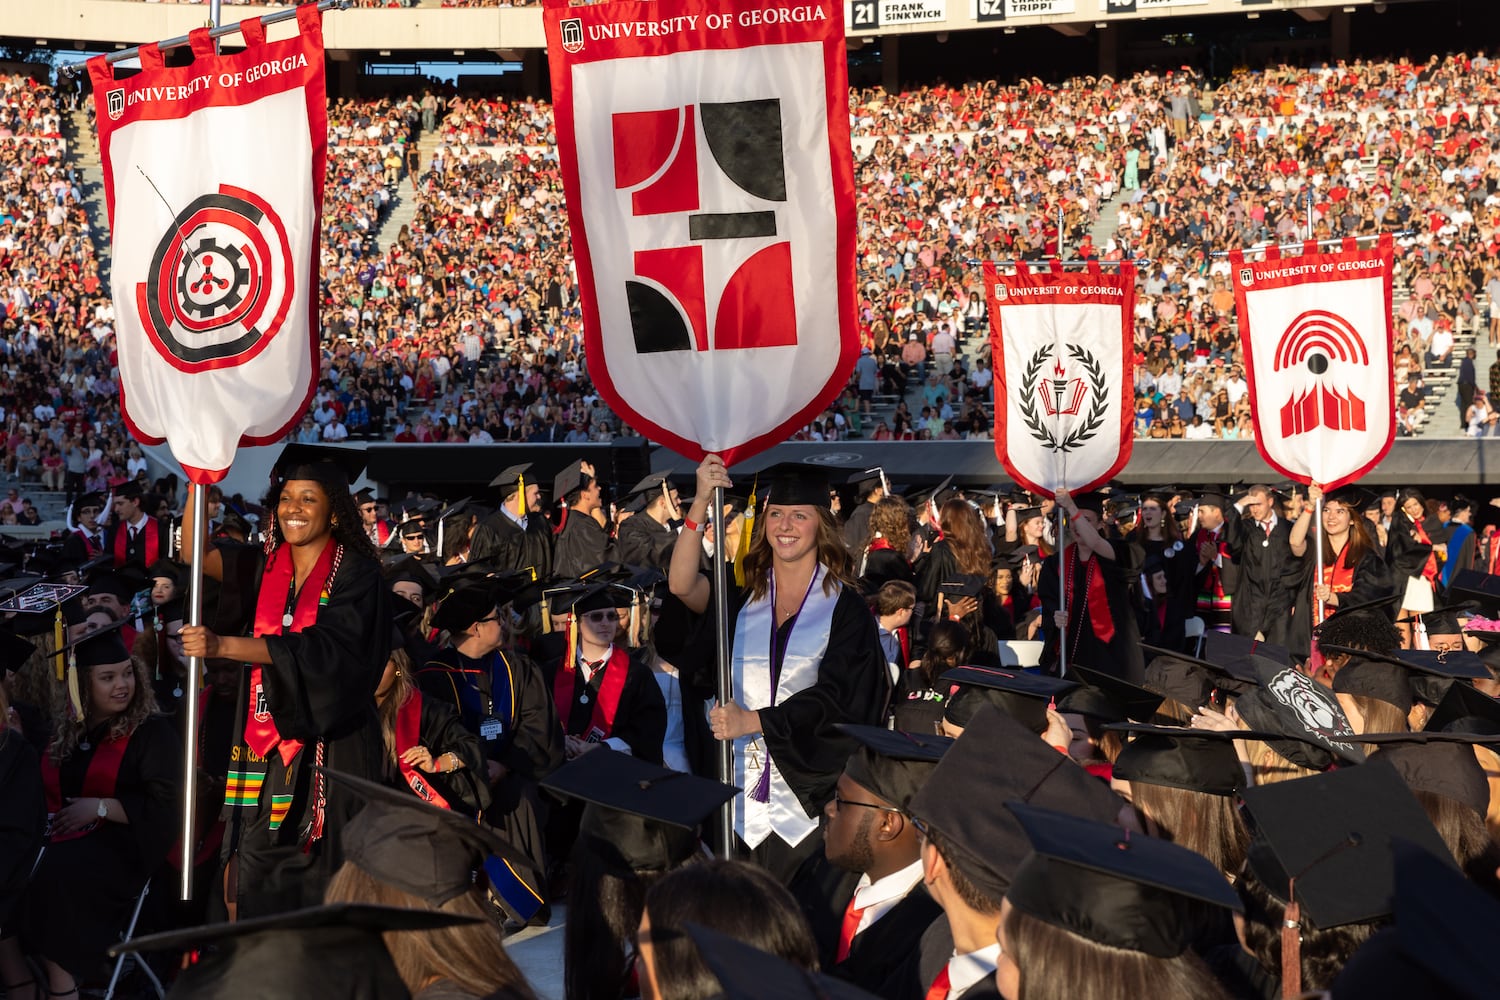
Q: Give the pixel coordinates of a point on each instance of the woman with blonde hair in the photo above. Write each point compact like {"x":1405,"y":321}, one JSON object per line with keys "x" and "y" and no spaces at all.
{"x":806,"y":656}
{"x":110,"y":776}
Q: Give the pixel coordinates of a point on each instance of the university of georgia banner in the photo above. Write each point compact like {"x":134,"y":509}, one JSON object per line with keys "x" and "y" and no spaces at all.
{"x":213,"y":175}
{"x":1064,"y":369}
{"x":705,"y":155}
{"x":1318,"y":341}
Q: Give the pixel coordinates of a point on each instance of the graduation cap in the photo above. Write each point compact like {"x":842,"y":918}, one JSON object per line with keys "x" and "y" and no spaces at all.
{"x":422,"y":849}
{"x":1382,"y":605}
{"x":1232,"y":653}
{"x":868,"y":481}
{"x":996,"y":760}
{"x":462,"y":606}
{"x":746,"y":973}
{"x":1212,"y":498}
{"x":962,"y":585}
{"x":101,"y":646}
{"x":129,"y":489}
{"x":511,"y":479}
{"x":1024,"y":514}
{"x":639,"y":816}
{"x":1404,"y":676}
{"x":1020,"y":556}
{"x":411,"y":528}
{"x":1108,"y":698}
{"x":1199,"y":760}
{"x":332,"y":468}
{"x":1440,"y":763}
{"x":1467,"y":710}
{"x":335,"y":950}
{"x":1470,"y":584}
{"x":1348,"y":496}
{"x":1311,"y":729}
{"x":598,"y":596}
{"x":1113,"y":887}
{"x":890,"y":763}
{"x":1440,"y":944}
{"x":1190,"y":680}
{"x":571,"y":479}
{"x":795,"y":484}
{"x":94,"y":499}
{"x":410,"y":570}
{"x":935,"y":494}
{"x":1021,"y":695}
{"x":123,"y":583}
{"x":1091,"y":502}
{"x":1325,"y":839}
{"x":166,"y":568}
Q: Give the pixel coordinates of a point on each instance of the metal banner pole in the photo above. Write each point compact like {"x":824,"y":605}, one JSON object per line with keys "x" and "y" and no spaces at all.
{"x":1318,"y":523}
{"x":726,"y":681}
{"x":197,"y":530}
{"x":1062,"y":597}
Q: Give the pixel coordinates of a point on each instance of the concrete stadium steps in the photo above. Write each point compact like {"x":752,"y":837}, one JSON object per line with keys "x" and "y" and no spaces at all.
{"x":83,"y":145}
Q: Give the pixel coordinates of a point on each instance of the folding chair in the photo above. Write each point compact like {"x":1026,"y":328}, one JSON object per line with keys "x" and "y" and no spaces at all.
{"x":114,"y":979}
{"x":1193,"y":629}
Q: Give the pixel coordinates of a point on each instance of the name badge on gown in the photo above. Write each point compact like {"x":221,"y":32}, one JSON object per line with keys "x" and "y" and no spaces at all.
{"x":491,"y":728}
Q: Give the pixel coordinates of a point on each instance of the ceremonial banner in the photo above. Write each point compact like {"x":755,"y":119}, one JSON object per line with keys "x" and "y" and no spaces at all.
{"x":706,"y":160}
{"x":1319,"y":344}
{"x":1064,"y":370}
{"x":213,"y":175}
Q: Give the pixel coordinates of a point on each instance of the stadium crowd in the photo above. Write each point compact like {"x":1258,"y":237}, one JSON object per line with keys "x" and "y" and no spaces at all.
{"x":466,"y":325}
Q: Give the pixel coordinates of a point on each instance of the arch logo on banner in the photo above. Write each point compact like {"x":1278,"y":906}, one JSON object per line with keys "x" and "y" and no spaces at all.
{"x":706,"y":160}
{"x":213,"y":176}
{"x":1318,"y":341}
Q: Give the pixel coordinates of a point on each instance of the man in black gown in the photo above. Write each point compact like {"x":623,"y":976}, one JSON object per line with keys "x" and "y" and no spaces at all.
{"x":516,"y":536}
{"x":582,"y":542}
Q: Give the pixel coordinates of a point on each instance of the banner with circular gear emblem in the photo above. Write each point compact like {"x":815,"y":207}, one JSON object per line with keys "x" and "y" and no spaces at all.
{"x":1064,"y":370}
{"x":213,"y":177}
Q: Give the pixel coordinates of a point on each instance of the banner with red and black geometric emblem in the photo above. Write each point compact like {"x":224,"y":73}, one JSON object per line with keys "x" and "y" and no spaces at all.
{"x":1319,"y":352}
{"x":213,"y":176}
{"x":709,"y":180}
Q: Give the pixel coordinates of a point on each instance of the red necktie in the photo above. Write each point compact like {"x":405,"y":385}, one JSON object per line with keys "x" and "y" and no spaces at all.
{"x":939,"y":988}
{"x":852,"y":915}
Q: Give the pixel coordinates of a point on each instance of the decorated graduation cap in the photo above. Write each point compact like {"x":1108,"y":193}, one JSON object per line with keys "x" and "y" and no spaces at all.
{"x":746,"y":973}
{"x":1324,"y":841}
{"x":1108,"y":698}
{"x":1441,"y":943}
{"x":892,"y":764}
{"x":1438,"y":763}
{"x":1021,"y":695}
{"x":1198,"y":760}
{"x":424,"y":850}
{"x":332,"y":468}
{"x":335,"y":950}
{"x":1305,"y":723}
{"x":1114,"y":887}
{"x":1405,"y":676}
{"x":639,"y":816}
{"x":996,"y":760}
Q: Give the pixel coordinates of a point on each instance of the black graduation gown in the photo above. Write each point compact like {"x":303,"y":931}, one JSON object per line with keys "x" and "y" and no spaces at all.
{"x":882,"y":566}
{"x":1121,"y":656}
{"x":853,"y":686}
{"x":642,"y":541}
{"x":23,"y":817}
{"x":1262,"y":602}
{"x":933,"y":951}
{"x":937,"y":566}
{"x":640,"y":720}
{"x":1372,"y":581}
{"x":77,"y":550}
{"x":441,"y":731}
{"x":84,"y":890}
{"x":510,"y":547}
{"x":857,"y":528}
{"x":319,"y":686}
{"x":135,"y":548}
{"x":581,"y":545}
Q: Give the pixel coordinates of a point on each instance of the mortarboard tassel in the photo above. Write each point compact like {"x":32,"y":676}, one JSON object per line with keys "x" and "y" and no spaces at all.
{"x":1291,"y":945}
{"x":57,"y":639}
{"x":746,"y":531}
{"x":521,"y":490}
{"x":73,"y":697}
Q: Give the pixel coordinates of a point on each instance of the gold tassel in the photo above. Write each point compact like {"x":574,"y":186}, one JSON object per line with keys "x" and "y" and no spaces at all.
{"x":57,"y":638}
{"x":635,"y":622}
{"x":73,"y":696}
{"x":572,"y":659}
{"x":546,"y":615}
{"x":746,"y":530}
{"x":521,"y":490}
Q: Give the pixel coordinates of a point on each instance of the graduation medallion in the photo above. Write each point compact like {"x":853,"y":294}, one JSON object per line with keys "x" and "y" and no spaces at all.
{"x":286,"y":620}
{"x":583,"y":699}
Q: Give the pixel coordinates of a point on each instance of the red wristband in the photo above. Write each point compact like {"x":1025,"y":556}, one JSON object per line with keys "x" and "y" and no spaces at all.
{"x":690,"y":524}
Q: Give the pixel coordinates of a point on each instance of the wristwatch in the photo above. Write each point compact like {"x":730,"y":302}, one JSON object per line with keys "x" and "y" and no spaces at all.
{"x":103,"y":810}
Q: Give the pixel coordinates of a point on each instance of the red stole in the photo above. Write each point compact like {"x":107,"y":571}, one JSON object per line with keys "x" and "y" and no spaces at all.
{"x":99,"y":781}
{"x":1338,"y":577}
{"x":1429,"y":568}
{"x":408,"y":735}
{"x":1095,"y":596}
{"x":270,"y":604}
{"x":153,"y":542}
{"x":565,"y":688}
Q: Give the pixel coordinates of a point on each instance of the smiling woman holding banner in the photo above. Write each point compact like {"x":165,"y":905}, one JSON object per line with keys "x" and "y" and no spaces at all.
{"x":1353,"y":571}
{"x":319,"y":627}
{"x":806,"y":656}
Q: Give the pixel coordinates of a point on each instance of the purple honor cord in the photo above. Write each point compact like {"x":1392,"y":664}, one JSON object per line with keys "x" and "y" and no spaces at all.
{"x":762,"y":790}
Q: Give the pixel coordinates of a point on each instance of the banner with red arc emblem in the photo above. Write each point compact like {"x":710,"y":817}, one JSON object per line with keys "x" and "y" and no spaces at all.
{"x":213,"y":177}
{"x":1064,"y":369}
{"x":1319,"y":353}
{"x":709,"y":178}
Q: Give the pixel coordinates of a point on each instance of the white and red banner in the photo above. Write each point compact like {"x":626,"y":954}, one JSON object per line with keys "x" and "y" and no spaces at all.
{"x":706,"y":161}
{"x":1064,"y":367}
{"x":213,"y":174}
{"x":1319,"y":345}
